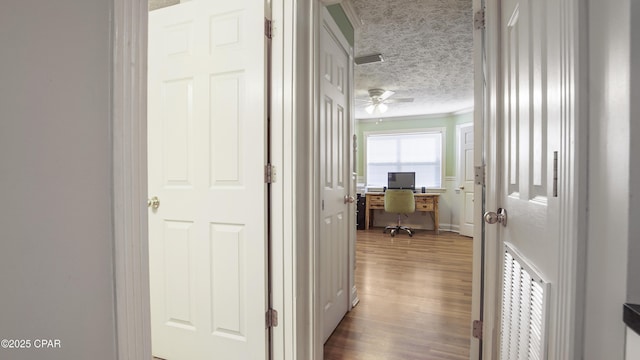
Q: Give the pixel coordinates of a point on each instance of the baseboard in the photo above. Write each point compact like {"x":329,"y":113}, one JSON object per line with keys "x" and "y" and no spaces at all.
{"x":450,"y":227}
{"x":354,"y":297}
{"x":443,"y":227}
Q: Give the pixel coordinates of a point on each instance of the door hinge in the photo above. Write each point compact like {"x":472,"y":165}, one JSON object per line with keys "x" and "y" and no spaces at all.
{"x":268,"y":28}
{"x":479,"y":19}
{"x":269,"y":174}
{"x":479,"y":175}
{"x":272,"y":318}
{"x":477,"y":329}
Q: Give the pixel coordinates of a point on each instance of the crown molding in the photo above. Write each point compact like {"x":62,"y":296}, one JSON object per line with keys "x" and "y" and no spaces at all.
{"x":463,"y":111}
{"x":417,"y":117}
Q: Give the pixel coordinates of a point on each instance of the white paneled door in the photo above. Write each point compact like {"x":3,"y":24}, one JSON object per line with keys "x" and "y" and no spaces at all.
{"x":335,"y":176}
{"x":207,"y":152}
{"x":530,"y":134}
{"x":466,"y":177}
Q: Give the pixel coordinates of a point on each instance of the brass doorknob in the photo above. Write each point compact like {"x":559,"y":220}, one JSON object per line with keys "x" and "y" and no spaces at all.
{"x":153,"y":203}
{"x":348,"y":199}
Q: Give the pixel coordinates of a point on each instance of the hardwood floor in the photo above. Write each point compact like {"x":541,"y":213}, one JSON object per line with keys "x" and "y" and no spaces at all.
{"x":415,"y":299}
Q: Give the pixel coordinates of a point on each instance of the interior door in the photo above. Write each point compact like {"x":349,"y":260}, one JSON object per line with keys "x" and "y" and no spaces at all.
{"x":207,"y":152}
{"x":530,"y":136}
{"x":335,"y":175}
{"x":466,"y":178}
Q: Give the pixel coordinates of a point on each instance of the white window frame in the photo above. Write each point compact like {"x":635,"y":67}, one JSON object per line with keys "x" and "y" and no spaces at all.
{"x":429,"y":130}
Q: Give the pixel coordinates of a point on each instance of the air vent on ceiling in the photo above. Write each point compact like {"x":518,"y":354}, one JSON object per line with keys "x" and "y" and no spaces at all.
{"x":369,"y":59}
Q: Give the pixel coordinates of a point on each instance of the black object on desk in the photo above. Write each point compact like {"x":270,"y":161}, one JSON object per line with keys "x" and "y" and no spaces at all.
{"x":361,"y":203}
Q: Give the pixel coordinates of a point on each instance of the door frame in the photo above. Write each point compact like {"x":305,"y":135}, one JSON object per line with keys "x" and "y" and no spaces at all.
{"x":129,"y":156}
{"x":566,"y":335}
{"x":129,"y":137}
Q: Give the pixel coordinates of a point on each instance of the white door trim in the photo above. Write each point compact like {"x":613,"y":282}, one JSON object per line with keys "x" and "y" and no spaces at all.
{"x":317,"y":350}
{"x":572,"y":184}
{"x":129,"y":139}
{"x":283,"y":247}
{"x":481,"y":150}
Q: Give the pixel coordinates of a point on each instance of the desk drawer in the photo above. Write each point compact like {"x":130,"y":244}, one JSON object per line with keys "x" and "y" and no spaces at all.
{"x":424,"y":204}
{"x":376,"y":201}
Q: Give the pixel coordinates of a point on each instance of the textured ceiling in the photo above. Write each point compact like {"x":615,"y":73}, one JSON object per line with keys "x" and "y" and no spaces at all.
{"x":427,"y":46}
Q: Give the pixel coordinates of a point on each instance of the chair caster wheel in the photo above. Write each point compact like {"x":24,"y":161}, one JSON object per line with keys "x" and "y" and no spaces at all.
{"x":393,"y":233}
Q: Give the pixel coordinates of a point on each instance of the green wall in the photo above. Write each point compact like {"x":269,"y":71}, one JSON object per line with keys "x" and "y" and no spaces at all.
{"x":343,"y":22}
{"x":445,"y":121}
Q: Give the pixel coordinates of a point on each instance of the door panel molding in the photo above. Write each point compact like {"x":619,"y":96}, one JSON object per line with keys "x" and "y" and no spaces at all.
{"x":565,"y":336}
{"x":130,"y":223}
{"x":334,"y":142}
{"x":214,"y":147}
{"x":312,"y":346}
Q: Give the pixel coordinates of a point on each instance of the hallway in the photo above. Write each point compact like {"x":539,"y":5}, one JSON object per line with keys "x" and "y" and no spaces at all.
{"x":415,"y":299}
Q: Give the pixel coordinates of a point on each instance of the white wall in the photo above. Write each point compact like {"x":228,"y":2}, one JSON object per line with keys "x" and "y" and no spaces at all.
{"x":56,"y":178}
{"x":633,"y":345}
{"x":608,"y":178}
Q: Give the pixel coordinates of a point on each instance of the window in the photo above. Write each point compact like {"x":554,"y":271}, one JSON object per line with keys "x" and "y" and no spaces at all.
{"x":419,"y":151}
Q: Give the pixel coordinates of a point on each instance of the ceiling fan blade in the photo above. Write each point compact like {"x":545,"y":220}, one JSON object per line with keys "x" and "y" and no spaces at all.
{"x":385,"y":95}
{"x":400,"y":100}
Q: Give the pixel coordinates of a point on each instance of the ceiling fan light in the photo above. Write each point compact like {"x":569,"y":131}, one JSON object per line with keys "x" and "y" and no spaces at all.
{"x":382,"y":108}
{"x":369,"y":109}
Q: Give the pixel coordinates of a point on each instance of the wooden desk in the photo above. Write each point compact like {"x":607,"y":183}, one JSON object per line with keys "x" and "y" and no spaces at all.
{"x":424,"y":202}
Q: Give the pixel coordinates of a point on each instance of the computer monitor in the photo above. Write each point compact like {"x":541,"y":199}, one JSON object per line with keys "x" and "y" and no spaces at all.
{"x":401,"y":180}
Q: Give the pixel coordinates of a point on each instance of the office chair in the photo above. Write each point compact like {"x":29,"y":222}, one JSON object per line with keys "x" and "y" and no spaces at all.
{"x":401,"y":202}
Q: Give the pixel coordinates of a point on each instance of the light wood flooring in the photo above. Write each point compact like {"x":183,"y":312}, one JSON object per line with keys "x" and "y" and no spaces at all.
{"x":415,"y":299}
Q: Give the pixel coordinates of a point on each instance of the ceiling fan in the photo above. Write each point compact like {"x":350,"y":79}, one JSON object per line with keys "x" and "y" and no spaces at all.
{"x":378,"y":100}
